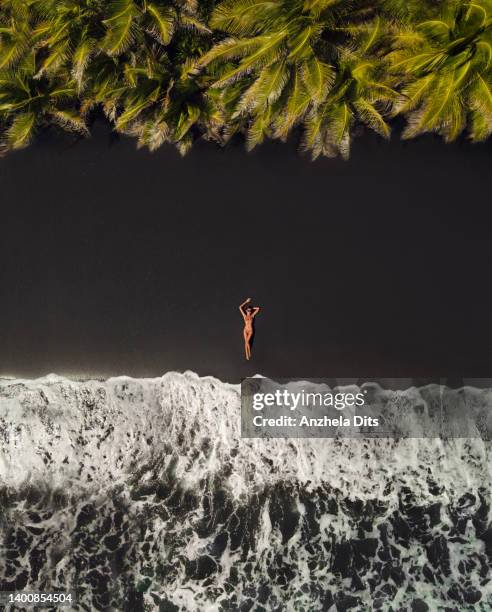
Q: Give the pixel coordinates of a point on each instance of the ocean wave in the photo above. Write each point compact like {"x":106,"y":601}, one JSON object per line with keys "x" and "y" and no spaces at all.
{"x":141,"y":492}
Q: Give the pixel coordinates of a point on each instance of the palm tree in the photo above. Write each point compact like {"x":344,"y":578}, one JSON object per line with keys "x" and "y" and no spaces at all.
{"x":444,"y":65}
{"x":142,"y":74}
{"x":278,"y":56}
{"x":70,"y":32}
{"x":28,"y":101}
{"x":16,"y":32}
{"x":131,"y":56}
{"x":297,"y":62}
{"x":127,"y":21}
{"x":362,"y":93}
{"x":146,"y":95}
{"x":160,"y":74}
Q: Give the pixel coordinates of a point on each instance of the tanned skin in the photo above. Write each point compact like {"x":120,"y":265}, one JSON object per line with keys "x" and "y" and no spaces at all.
{"x":249,"y":314}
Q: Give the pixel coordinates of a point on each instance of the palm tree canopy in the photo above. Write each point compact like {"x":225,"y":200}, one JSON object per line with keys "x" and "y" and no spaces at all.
{"x":175,"y":70}
{"x":445,"y":70}
{"x":294,"y":62}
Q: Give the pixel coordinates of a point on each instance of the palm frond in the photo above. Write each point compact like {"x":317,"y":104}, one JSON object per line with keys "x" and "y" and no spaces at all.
{"x":243,"y":17}
{"x":21,"y":130}
{"x":371,"y":117}
{"x":163,"y":22}
{"x":268,"y":50}
{"x":70,"y":121}
{"x":119,"y":24}
{"x":480,"y":100}
{"x":318,"y":78}
{"x":266,"y":89}
{"x":258,"y":130}
{"x":80,"y":59}
{"x":295,"y":109}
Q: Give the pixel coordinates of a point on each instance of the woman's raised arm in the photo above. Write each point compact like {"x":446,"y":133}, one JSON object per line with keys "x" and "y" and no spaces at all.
{"x":243,"y":305}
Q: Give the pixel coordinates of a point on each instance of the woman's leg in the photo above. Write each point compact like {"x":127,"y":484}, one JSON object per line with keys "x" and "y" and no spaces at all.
{"x":247,"y":347}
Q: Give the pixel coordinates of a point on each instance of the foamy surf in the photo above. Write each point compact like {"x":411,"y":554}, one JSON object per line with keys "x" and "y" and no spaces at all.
{"x":140,"y":492}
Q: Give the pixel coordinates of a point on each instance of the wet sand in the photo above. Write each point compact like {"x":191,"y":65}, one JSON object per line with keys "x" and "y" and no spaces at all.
{"x":118,"y":261}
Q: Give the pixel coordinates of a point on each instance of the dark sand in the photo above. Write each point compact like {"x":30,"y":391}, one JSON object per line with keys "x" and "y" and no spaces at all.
{"x":118,"y":261}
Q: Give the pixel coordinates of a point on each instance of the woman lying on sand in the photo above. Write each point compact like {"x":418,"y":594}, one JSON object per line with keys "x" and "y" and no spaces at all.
{"x":249,"y":314}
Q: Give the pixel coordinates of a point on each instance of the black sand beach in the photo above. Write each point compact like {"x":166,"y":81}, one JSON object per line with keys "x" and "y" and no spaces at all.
{"x":118,"y":261}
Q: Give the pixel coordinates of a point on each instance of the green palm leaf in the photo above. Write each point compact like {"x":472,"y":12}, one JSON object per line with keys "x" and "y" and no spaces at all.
{"x":119,"y":33}
{"x":243,"y":17}
{"x":480,"y":100}
{"x":370,"y":116}
{"x":258,"y":130}
{"x":318,"y":78}
{"x":70,"y":120}
{"x":21,"y":130}
{"x":81,"y":58}
{"x":295,"y":109}
{"x":163,"y":20}
{"x":266,"y":89}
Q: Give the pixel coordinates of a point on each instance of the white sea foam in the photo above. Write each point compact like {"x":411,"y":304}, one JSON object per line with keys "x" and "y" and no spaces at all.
{"x":129,"y":446}
{"x":88,"y":433}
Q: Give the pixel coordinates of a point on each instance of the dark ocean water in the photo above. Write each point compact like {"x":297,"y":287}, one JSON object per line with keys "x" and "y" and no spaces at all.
{"x":139,"y":494}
